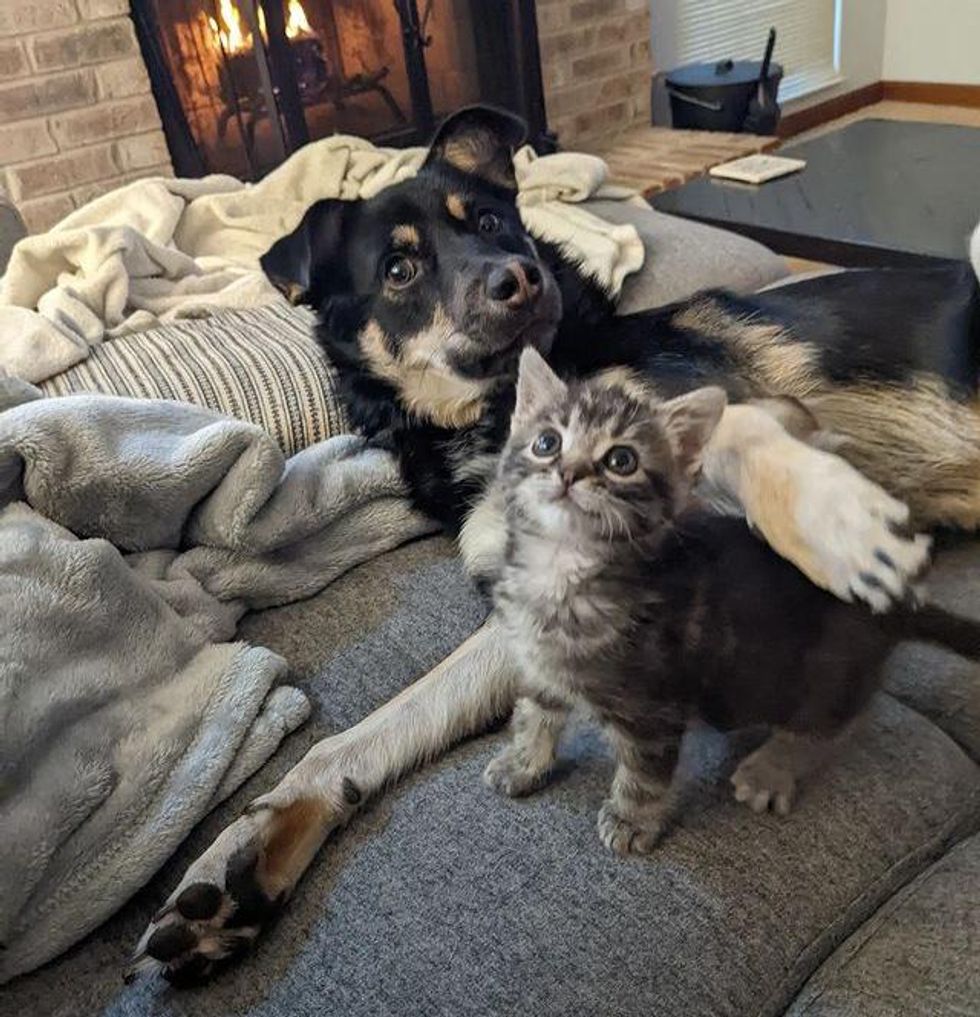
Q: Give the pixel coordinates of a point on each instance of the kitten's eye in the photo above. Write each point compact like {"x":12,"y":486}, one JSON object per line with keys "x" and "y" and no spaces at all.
{"x":400,"y":271}
{"x":489,"y":222}
{"x":547,"y":444}
{"x":621,"y":459}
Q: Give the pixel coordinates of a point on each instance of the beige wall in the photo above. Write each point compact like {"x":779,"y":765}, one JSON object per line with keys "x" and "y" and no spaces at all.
{"x":933,"y":40}
{"x":905,"y":40}
{"x":76,"y":114}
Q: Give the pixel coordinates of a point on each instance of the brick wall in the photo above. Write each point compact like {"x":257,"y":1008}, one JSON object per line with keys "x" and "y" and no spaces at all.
{"x":76,"y":114}
{"x":596,"y":66}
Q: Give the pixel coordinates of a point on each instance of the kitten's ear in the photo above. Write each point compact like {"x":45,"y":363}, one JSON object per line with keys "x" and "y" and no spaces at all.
{"x":689,"y":421}
{"x":537,"y":385}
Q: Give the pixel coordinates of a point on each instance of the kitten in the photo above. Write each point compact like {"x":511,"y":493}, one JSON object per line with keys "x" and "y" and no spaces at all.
{"x":615,"y":592}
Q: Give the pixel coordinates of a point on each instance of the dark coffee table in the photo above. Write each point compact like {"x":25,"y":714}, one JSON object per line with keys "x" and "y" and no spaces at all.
{"x":877,"y":192}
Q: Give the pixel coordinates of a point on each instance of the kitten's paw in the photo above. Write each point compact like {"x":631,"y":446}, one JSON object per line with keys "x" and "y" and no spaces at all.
{"x":628,"y":835}
{"x":762,"y":786}
{"x":511,"y":774}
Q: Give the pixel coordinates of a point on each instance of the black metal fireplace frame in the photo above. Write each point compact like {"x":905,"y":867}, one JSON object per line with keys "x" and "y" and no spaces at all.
{"x":513,"y":34}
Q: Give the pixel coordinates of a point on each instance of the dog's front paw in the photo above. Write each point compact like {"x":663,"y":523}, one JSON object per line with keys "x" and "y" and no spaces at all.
{"x":511,"y":774}
{"x":844,"y":531}
{"x":231,"y":892}
{"x":629,"y":834}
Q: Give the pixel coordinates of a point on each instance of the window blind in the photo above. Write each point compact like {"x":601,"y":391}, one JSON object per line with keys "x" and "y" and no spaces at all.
{"x":806,"y":45}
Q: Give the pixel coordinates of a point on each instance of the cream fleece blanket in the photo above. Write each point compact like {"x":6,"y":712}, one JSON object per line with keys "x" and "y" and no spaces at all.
{"x":162,"y":248}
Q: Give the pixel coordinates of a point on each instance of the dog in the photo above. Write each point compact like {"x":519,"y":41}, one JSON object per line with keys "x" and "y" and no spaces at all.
{"x":426,"y":295}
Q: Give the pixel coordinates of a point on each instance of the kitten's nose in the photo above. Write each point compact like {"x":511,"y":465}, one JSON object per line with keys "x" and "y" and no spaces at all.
{"x":570,"y":474}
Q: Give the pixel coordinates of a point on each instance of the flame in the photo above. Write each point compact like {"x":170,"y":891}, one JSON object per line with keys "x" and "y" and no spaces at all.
{"x":296,"y":23}
{"x":234,"y":36}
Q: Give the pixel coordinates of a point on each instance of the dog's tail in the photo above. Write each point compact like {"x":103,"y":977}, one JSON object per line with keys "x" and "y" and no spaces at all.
{"x":932,"y":624}
{"x":975,"y":250}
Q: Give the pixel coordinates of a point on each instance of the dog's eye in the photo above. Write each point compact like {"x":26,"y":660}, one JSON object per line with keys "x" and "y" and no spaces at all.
{"x":400,"y":271}
{"x":489,"y":222}
{"x":547,"y":444}
{"x":621,"y":459}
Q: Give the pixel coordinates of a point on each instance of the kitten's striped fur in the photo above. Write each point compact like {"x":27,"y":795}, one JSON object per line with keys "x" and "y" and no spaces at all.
{"x":615,"y":593}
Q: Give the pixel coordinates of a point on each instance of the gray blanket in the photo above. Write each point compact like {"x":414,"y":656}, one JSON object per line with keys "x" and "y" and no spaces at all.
{"x":133,"y":536}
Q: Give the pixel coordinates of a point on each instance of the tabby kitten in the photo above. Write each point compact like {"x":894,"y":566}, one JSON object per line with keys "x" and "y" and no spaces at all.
{"x":615,"y":593}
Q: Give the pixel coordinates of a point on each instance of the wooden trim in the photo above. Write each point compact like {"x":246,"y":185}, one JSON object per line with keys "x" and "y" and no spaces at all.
{"x":933,"y":92}
{"x":936,"y":92}
{"x":813,"y":116}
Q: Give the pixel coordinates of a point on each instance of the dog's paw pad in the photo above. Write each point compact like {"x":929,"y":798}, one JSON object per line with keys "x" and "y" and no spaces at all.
{"x":199,"y":901}
{"x":230,"y":894}
{"x":204,"y":924}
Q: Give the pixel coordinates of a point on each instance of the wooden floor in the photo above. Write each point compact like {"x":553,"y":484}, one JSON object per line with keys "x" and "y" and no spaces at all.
{"x":654,"y":159}
{"x":964,"y":116}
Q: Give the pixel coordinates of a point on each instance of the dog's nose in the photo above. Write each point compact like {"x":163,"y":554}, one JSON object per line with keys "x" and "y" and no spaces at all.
{"x":516,"y":283}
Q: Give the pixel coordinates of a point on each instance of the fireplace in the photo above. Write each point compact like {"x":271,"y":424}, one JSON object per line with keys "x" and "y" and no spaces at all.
{"x":242,"y":83}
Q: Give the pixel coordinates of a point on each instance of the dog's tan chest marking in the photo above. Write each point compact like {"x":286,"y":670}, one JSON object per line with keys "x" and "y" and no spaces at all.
{"x":426,"y":384}
{"x":375,"y":349}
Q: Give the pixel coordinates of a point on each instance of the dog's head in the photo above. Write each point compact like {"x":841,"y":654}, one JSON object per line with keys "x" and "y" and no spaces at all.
{"x":432,"y":287}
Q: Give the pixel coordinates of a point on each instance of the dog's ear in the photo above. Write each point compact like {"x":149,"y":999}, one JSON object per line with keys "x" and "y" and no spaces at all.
{"x":480,"y":141}
{"x":537,"y":386}
{"x":298,"y":263}
{"x":689,"y":421}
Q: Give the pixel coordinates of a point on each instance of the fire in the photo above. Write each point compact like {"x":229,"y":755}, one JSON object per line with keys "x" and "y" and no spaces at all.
{"x":235,"y":36}
{"x":296,"y":23}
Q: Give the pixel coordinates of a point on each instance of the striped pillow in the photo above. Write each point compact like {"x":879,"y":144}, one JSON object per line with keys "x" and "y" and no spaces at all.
{"x":261,"y":365}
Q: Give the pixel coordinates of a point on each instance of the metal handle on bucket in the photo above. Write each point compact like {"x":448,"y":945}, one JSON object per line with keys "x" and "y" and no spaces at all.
{"x":714,"y":107}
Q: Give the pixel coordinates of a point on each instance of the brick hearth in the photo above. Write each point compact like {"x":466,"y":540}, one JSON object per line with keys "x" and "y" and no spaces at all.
{"x":75,"y":104}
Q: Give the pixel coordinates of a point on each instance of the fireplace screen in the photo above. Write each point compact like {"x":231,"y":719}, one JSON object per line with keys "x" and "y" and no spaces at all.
{"x":241,"y":83}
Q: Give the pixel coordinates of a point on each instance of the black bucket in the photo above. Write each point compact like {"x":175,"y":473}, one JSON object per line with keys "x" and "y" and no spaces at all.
{"x":716,"y":97}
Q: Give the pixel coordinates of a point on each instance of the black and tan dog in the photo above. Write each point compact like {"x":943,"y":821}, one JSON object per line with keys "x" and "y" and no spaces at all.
{"x":428,"y":292}
{"x":426,"y":295}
